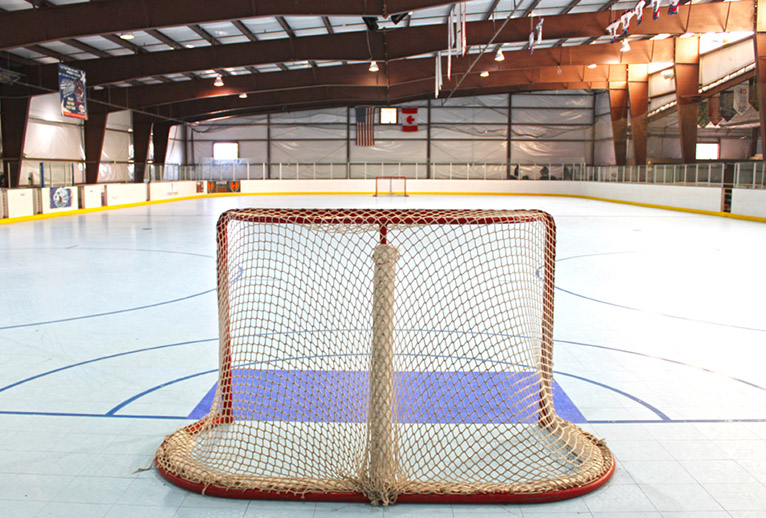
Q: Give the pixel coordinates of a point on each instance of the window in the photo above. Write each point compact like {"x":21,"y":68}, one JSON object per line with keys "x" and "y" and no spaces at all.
{"x":389,"y":116}
{"x":225,"y":150}
{"x":708,"y":151}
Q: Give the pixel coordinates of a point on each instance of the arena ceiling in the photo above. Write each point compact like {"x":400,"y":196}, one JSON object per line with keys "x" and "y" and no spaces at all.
{"x":161,"y":57}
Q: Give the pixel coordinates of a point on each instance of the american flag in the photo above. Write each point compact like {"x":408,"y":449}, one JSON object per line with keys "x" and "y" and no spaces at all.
{"x":365,"y":126}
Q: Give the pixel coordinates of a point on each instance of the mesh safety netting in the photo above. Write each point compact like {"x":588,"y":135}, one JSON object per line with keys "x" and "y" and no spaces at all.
{"x":385,"y":354}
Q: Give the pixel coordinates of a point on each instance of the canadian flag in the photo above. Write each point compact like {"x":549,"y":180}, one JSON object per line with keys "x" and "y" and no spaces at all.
{"x":409,"y":119}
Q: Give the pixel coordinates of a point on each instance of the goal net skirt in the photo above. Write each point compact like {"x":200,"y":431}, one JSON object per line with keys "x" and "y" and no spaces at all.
{"x":383,"y":356}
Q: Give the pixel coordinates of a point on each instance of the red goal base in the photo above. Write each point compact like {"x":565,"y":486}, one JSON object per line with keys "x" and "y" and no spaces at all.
{"x":429,"y":498}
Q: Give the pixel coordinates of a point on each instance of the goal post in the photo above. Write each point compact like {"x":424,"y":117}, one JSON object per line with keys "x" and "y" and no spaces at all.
{"x":385,"y":356}
{"x":391,"y":186}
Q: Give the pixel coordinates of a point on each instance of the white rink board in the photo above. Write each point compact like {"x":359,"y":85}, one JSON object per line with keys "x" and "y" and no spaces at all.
{"x":20,"y":202}
{"x":170,"y":190}
{"x":749,"y":202}
{"x":120,"y":194}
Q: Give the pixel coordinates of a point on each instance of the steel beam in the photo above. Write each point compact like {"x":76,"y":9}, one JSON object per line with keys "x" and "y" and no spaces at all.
{"x":325,"y":101}
{"x":28,"y":26}
{"x":519,"y":66}
{"x":14,"y":109}
{"x":638,"y":93}
{"x":302,"y":86}
{"x":686,"y":71}
{"x":142,"y":130}
{"x":618,"y":98}
{"x":400,"y":43}
{"x":760,"y":69}
{"x":94,"y":131}
{"x":160,"y":134}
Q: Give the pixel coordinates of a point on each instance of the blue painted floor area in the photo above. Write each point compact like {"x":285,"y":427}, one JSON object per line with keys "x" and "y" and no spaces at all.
{"x":109,"y":339}
{"x":314,"y":396}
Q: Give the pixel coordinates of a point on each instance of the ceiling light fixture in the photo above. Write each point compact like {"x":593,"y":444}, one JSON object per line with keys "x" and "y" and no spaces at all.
{"x":374,"y":66}
{"x":396,"y":18}
{"x":592,"y":65}
{"x":484,"y":74}
{"x":243,"y":95}
{"x":218,"y":80}
{"x":127,"y":36}
{"x":625,"y":46}
{"x":499,"y":55}
{"x":371,"y":22}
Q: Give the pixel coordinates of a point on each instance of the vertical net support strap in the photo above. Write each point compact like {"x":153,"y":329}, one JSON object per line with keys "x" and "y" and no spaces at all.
{"x":382,"y":462}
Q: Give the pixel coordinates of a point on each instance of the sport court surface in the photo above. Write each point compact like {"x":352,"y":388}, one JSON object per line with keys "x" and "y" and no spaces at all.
{"x":108,"y":341}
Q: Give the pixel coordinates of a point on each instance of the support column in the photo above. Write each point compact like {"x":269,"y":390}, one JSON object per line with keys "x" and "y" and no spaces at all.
{"x":142,"y":130}
{"x":13,"y":117}
{"x":638,"y":93}
{"x":94,"y":130}
{"x":508,"y":139}
{"x":686,"y":71}
{"x":160,"y":134}
{"x":618,"y":97}
{"x":760,"y":68}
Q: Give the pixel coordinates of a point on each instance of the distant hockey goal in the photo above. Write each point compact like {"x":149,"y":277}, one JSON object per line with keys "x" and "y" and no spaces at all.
{"x":384,"y":356}
{"x":391,"y":186}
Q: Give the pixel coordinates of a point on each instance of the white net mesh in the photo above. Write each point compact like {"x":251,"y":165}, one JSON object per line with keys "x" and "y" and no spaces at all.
{"x":385,"y":353}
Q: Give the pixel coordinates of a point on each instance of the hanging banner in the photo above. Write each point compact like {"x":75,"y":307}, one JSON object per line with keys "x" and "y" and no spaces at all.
{"x":714,"y":110}
{"x":409,"y":119}
{"x":72,"y":92}
{"x":727,"y":105}
{"x":702,"y":116}
{"x":741,"y":95}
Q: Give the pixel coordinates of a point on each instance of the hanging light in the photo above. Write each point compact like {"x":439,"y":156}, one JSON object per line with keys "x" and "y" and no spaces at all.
{"x":499,"y":55}
{"x":374,"y":66}
{"x":592,"y":65}
{"x":127,"y":36}
{"x":243,"y":95}
{"x":625,"y":46}
{"x":484,"y":74}
{"x":218,"y":80}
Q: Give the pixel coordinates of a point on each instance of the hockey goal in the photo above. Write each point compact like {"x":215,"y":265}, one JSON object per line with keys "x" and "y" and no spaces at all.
{"x":391,"y":186}
{"x":382,"y":356}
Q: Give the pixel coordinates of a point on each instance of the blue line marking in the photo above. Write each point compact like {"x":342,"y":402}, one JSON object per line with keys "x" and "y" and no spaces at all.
{"x":621,"y":306}
{"x":677,"y":362}
{"x":678,"y":317}
{"x":112,"y":412}
{"x":128,"y":401}
{"x":75,"y":247}
{"x":116,"y":312}
{"x":185,"y":418}
{"x":79,"y":364}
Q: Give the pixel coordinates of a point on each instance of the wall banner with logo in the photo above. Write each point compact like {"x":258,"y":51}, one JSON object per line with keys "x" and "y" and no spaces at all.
{"x":72,"y":92}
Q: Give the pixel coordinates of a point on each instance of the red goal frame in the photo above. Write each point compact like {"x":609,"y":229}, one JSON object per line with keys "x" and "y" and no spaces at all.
{"x":383,"y":218}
